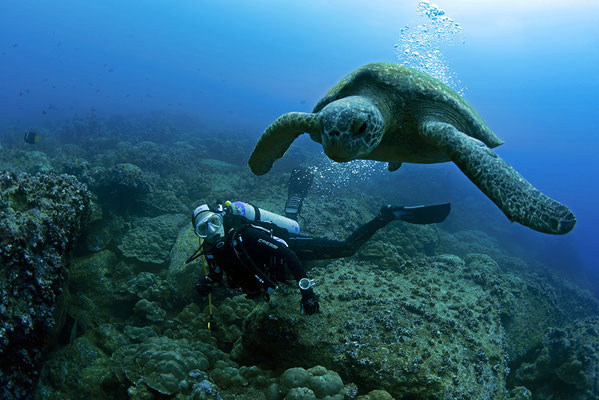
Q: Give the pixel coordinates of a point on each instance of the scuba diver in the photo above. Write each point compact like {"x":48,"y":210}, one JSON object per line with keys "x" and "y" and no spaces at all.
{"x":256,"y":248}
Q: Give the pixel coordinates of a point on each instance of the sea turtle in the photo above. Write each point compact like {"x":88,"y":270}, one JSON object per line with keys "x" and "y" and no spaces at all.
{"x":389,"y":112}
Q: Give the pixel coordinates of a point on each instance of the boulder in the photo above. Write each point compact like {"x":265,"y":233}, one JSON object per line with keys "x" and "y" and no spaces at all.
{"x":428,"y":332}
{"x":151,"y":239}
{"x":41,"y":217}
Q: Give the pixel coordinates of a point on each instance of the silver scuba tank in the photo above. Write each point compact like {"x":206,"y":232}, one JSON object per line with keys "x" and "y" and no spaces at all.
{"x":253,"y":213}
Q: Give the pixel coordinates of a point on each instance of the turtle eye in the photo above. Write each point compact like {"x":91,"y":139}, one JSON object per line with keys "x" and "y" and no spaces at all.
{"x":360,"y":129}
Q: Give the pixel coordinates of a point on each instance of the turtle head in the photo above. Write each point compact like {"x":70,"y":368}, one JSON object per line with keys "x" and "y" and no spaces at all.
{"x":351,"y":128}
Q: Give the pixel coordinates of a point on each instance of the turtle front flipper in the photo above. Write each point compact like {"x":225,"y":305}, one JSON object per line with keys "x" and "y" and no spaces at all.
{"x":516,"y":197}
{"x":277,"y":138}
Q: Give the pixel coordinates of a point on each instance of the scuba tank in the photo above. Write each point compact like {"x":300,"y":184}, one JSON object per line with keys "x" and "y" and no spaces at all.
{"x":255,"y":214}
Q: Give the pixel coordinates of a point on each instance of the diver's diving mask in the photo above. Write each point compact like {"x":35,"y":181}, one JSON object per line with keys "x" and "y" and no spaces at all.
{"x":206,"y":223}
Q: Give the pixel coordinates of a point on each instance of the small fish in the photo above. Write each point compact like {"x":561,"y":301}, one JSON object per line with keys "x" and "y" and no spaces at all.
{"x":31,"y":137}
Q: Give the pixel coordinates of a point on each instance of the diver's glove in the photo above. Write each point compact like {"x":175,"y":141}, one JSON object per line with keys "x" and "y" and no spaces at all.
{"x":309,"y":303}
{"x":205,"y":286}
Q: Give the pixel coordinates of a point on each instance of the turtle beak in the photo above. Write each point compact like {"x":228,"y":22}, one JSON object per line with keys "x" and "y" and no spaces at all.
{"x":337,"y":151}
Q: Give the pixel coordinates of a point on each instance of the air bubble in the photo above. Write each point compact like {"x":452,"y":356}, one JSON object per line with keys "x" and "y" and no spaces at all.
{"x":421,"y":47}
{"x":331,"y":177}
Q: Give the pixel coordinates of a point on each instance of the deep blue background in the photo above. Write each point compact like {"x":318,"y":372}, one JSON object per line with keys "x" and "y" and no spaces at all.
{"x":531,"y":69}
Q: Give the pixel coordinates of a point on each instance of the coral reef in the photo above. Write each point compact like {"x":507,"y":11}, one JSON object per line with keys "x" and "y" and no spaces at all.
{"x":417,"y":313}
{"x":183,"y":276}
{"x":41,"y":217}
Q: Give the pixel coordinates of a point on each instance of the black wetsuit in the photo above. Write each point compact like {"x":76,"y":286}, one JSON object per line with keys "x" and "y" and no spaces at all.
{"x":256,"y":257}
{"x":311,"y":248}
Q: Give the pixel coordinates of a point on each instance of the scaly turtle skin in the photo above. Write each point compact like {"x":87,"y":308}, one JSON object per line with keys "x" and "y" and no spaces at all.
{"x":394,"y":113}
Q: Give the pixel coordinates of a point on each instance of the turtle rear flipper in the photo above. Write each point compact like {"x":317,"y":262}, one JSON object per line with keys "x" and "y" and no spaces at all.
{"x":277,"y":138}
{"x":514,"y":195}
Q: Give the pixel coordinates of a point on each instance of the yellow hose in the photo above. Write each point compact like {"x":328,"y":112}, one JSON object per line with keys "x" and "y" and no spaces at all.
{"x":205,"y":265}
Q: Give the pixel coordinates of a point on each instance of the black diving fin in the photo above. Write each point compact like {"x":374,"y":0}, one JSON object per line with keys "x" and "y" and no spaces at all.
{"x":431,"y":214}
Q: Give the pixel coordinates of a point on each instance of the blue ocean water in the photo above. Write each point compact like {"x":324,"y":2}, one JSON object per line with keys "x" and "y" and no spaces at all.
{"x":528,"y":68}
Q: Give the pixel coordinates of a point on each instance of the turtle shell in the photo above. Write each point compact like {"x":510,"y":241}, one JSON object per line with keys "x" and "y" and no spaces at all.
{"x":397,"y":89}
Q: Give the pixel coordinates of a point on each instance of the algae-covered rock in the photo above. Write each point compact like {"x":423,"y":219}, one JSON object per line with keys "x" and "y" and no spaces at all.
{"x":565,"y":363}
{"x":429,"y":332}
{"x":151,"y":239}
{"x":98,"y":290}
{"x":95,"y":275}
{"x":79,"y":370}
{"x":183,"y":276}
{"x":41,"y":217}
{"x":529,"y":303}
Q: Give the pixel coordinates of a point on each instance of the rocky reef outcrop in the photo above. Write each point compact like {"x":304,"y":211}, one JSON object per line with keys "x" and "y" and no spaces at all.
{"x":564,"y":363}
{"x":151,"y":239}
{"x":417,"y":313}
{"x":40,"y":218}
{"x":431,"y":332}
